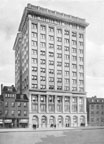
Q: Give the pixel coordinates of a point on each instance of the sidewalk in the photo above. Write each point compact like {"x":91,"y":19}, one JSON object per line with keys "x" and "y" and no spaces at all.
{"x":48,"y":129}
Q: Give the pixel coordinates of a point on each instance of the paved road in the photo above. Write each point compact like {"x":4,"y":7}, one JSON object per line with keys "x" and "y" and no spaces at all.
{"x":78,"y":136}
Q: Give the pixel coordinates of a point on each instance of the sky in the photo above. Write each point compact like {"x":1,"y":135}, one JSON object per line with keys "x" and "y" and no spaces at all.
{"x":92,"y":10}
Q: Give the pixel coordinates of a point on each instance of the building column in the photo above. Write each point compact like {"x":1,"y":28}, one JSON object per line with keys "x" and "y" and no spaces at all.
{"x":70,"y":104}
{"x":63,"y":98}
{"x":38,"y":103}
{"x":55,"y":103}
{"x":47,"y":104}
{"x":78,"y":104}
{"x":85,"y":104}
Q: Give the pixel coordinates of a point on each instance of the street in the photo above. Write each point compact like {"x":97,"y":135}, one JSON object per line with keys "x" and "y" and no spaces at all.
{"x":78,"y":136}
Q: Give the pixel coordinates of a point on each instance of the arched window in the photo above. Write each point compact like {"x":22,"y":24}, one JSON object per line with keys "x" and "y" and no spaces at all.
{"x":82,"y":121}
{"x":52,"y":121}
{"x":44,"y":121}
{"x":60,"y":121}
{"x":35,"y":121}
{"x":75,"y":121}
{"x":67,"y":121}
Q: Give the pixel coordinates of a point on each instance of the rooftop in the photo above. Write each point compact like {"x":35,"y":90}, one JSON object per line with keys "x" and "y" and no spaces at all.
{"x":31,"y":9}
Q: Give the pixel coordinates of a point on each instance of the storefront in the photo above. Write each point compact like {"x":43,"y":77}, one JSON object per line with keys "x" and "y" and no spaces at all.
{"x":1,"y":123}
{"x":8,"y":123}
{"x":23,"y":123}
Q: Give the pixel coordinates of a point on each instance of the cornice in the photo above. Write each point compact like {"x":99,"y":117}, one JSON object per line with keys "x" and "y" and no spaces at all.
{"x":31,"y":9}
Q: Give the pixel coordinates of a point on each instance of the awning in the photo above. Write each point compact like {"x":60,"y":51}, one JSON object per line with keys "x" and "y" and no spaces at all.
{"x":1,"y":121}
{"x":8,"y":121}
{"x":23,"y":121}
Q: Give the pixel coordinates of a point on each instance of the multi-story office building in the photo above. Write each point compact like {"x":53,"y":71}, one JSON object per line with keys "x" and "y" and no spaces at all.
{"x":50,"y":67}
{"x":95,"y":111}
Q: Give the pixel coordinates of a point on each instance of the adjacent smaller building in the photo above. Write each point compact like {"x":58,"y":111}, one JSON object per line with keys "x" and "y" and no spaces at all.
{"x":95,"y":111}
{"x":14,"y":108}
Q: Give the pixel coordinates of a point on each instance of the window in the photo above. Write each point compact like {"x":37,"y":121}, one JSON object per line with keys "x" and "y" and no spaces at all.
{"x":6,"y":112}
{"x":66,"y":88}
{"x":34,"y":69}
{"x":66,"y":32}
{"x":43,"y":108}
{"x":81,"y":67}
{"x":74,"y":88}
{"x":25,"y":104}
{"x":42,"y":61}
{"x":59,"y":39}
{"x":34,"y":60}
{"x":81,"y":51}
{"x":74,"y":42}
{"x":34,"y":85}
{"x":81,"y":89}
{"x":66,"y":41}
{"x":74,"y":66}
{"x":51,"y":54}
{"x":66,"y":73}
{"x":19,"y":113}
{"x":59,"y":72}
{"x":51,"y":99}
{"x":59,"y":31}
{"x":42,"y":53}
{"x":34,"y":98}
{"x":66,"y":48}
{"x":59,"y":55}
{"x":51,"y":29}
{"x":13,"y":104}
{"x":59,"y":80}
{"x":43,"y":28}
{"x":59,"y":87}
{"x":34,"y":77}
{"x":81,"y":35}
{"x":81,"y":43}
{"x":74,"y":81}
{"x":51,"y":62}
{"x":51,"y":86}
{"x":34,"y":52}
{"x":67,"y":56}
{"x":6,"y":104}
{"x":81,"y":59}
{"x":42,"y":44}
{"x":42,"y":36}
{"x":12,"y":113}
{"x":74,"y":58}
{"x":59,"y":99}
{"x":42,"y":98}
{"x":51,"y":71}
{"x":34,"y":26}
{"x":51,"y":45}
{"x":66,"y":80}
{"x":34,"y":43}
{"x":59,"y":47}
{"x":51,"y":79}
{"x":74,"y":34}
{"x":97,"y":106}
{"x":43,"y":70}
{"x":42,"y":78}
{"x":51,"y":38}
{"x":81,"y":82}
{"x":81,"y":75}
{"x":34,"y":34}
{"x":43,"y":86}
{"x":66,"y":64}
{"x":74,"y":74}
{"x":74,"y":50}
{"x":25,"y":113}
{"x":19,"y":104}
{"x":92,"y":119}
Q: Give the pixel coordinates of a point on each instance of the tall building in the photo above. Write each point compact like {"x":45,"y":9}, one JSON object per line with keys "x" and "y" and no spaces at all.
{"x":95,"y":111}
{"x":50,"y":67}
